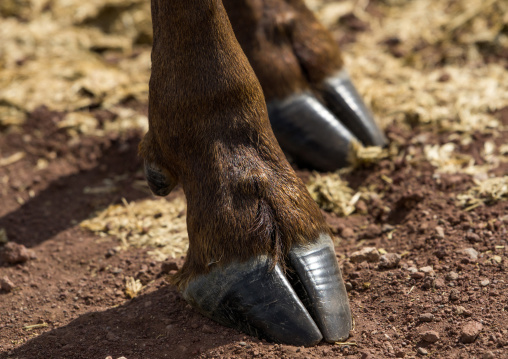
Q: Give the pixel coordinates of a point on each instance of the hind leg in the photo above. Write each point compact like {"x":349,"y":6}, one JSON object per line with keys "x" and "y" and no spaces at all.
{"x":315,"y":110}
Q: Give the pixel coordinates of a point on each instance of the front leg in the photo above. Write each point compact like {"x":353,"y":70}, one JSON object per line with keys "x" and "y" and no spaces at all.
{"x":260,"y":258}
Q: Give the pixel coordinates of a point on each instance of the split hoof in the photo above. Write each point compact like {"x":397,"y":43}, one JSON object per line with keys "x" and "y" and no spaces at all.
{"x":320,"y":135}
{"x":257,"y":298}
{"x":309,"y":132}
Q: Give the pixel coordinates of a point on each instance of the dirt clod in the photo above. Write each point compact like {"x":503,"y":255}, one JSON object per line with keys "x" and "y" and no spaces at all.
{"x":13,"y":253}
{"x":426,"y":317}
{"x":439,"y":283}
{"x":418,"y":275}
{"x":454,"y":294}
{"x":389,"y":260}
{"x":369,"y":254}
{"x":430,"y":336}
{"x":6,"y":284}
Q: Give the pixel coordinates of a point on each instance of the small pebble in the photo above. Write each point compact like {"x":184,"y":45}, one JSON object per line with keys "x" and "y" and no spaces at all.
{"x":471,"y":253}
{"x":427,"y":270}
{"x":387,"y":228}
{"x":497,"y":259}
{"x":440,"y":232}
{"x":430,"y":336}
{"x":484,"y":282}
{"x":422,"y":351}
{"x":111,"y":252}
{"x":454,"y":294}
{"x":426,"y":317}
{"x":389,"y":260}
{"x":347,"y":232}
{"x":418,"y":275}
{"x":6,"y":284}
{"x":488,"y":355}
{"x":473,"y":237}
{"x":470,"y":331}
{"x":369,"y":254}
{"x":452,"y":276}
{"x":460,"y":310}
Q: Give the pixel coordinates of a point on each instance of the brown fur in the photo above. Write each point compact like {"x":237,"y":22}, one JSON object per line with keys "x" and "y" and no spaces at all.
{"x":286,"y":45}
{"x":208,"y":128}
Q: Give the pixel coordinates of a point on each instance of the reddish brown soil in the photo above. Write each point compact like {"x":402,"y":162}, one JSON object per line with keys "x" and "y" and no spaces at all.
{"x":75,"y":283}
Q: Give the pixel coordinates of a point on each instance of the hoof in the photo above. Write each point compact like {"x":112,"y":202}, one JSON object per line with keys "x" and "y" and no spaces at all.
{"x":309,"y":132}
{"x":258,"y":299}
{"x":344,"y":101}
{"x":318,"y":281}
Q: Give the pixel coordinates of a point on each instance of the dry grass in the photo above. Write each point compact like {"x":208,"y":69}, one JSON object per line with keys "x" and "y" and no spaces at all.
{"x":157,"y":224}
{"x":69,"y":55}
{"x":487,"y":191}
{"x":434,"y":77}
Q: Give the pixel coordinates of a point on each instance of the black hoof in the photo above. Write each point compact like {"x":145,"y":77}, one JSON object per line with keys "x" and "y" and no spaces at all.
{"x":345,"y":102}
{"x":258,"y":299}
{"x":318,"y":281}
{"x":309,"y":132}
{"x":160,"y":182}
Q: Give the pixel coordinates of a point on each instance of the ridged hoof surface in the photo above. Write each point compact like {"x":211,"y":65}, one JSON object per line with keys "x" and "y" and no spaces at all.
{"x":319,"y":133}
{"x":309,"y":132}
{"x":318,"y":281}
{"x":257,"y":298}
{"x":343,"y":100}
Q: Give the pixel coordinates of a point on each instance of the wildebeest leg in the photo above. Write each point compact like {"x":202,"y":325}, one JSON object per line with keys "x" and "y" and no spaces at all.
{"x":314,"y":108}
{"x":260,"y":257}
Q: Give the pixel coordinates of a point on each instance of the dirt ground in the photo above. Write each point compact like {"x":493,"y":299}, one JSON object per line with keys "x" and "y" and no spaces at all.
{"x":421,"y":229}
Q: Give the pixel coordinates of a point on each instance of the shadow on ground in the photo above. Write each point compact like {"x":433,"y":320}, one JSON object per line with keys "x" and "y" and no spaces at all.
{"x":156,"y":325}
{"x":64,"y":202}
{"x":105,"y":170}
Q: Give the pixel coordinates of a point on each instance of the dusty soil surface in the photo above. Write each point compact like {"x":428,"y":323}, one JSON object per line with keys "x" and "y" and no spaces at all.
{"x":68,"y":301}
{"x":431,"y":280}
